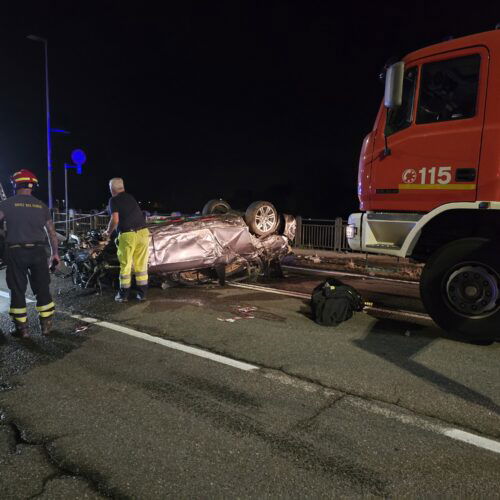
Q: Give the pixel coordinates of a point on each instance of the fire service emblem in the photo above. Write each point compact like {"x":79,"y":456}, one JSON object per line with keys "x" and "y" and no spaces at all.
{"x":409,"y":176}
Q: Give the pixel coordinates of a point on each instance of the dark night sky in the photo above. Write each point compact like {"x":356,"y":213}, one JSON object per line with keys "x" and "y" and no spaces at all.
{"x":240,"y":100}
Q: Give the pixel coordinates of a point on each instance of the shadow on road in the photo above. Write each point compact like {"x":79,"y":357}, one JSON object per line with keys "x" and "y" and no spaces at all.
{"x":387,"y":340}
{"x":18,"y":356}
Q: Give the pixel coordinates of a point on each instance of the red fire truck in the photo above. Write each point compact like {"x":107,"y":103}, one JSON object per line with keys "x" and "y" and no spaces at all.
{"x":429,"y":179}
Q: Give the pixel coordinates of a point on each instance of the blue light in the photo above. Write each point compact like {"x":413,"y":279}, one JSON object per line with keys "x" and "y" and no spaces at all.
{"x":78,"y":156}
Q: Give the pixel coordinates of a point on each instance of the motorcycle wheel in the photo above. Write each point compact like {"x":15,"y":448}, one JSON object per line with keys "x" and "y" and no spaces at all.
{"x":75,"y":275}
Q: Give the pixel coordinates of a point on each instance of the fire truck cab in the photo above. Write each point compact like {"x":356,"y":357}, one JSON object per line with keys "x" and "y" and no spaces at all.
{"x":429,"y":179}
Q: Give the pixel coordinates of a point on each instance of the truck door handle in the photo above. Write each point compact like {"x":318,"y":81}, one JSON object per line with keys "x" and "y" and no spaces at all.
{"x":465,"y":174}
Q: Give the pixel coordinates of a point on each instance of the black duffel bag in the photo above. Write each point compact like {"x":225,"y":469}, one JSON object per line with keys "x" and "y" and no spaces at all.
{"x":333,"y":303}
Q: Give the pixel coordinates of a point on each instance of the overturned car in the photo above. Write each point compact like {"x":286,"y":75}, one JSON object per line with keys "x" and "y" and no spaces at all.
{"x":220,"y":243}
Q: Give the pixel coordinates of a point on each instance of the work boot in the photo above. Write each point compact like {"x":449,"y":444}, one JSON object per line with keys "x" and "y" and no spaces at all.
{"x":122,"y":295}
{"x":46,"y":325}
{"x":141,"y":293}
{"x":21,"y":330}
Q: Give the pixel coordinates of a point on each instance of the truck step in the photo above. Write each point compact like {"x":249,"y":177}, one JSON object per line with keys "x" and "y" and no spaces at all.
{"x":385,"y":246}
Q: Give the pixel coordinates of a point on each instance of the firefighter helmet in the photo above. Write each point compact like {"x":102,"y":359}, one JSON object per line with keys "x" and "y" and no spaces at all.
{"x":24,"y":179}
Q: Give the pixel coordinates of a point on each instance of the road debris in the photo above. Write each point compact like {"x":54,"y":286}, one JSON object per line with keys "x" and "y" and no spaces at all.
{"x":245,"y":312}
{"x":313,"y":258}
{"x":81,"y":328}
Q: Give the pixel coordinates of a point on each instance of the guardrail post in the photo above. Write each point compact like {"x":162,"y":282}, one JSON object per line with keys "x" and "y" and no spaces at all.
{"x":298,"y":232}
{"x":337,"y":245}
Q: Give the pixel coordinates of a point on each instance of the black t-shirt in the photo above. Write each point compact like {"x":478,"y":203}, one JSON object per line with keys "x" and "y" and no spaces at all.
{"x":26,"y":217}
{"x":129,"y":212}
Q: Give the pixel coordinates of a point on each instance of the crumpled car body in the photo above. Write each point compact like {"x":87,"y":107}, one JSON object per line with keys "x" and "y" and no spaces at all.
{"x":184,"y":250}
{"x":212,"y":241}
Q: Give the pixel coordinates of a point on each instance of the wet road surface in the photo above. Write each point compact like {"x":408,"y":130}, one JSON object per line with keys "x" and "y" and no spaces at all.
{"x":393,"y":294}
{"x":372,"y":407}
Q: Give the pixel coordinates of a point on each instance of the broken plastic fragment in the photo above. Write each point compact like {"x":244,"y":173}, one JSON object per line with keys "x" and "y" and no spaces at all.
{"x":245,"y":310}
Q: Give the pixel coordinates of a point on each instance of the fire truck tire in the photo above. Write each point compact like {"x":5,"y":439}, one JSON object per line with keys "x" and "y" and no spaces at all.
{"x":216,"y":207}
{"x":460,"y":288}
{"x":262,"y":218}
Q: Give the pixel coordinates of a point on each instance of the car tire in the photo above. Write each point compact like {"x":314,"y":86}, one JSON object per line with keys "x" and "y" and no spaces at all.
{"x":213,"y":207}
{"x":460,"y":288}
{"x":262,"y":218}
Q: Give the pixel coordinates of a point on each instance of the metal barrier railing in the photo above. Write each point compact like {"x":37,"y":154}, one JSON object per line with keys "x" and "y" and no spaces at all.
{"x":324,"y":234}
{"x":321,"y":234}
{"x":79,"y":223}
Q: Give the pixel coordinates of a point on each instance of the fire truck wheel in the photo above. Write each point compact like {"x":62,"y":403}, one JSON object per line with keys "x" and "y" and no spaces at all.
{"x":216,"y":207}
{"x":262,"y":218}
{"x":460,"y":288}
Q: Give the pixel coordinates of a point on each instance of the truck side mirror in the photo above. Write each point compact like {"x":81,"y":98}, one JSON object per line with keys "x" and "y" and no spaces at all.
{"x":393,"y":96}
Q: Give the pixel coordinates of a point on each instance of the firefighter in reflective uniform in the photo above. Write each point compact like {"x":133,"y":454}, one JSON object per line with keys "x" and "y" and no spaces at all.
{"x":133,"y":240}
{"x":28,"y":224}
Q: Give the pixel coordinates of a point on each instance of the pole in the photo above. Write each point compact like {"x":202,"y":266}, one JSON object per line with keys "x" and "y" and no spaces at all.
{"x":66,"y":199}
{"x":47,"y":106}
{"x":49,"y":145}
{"x":298,"y":232}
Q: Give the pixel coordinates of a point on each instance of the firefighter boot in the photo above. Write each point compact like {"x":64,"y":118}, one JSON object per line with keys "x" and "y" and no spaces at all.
{"x":21,"y":330}
{"x":141,"y":293}
{"x":46,"y":325}
{"x":122,"y":295}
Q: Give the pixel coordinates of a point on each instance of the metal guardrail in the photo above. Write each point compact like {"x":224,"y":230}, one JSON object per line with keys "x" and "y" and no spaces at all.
{"x":322,"y":234}
{"x":79,"y":223}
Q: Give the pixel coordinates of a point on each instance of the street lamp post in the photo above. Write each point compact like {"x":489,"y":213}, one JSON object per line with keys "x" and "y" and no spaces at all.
{"x":79,"y":158}
{"x":47,"y":105}
{"x":66,"y":192}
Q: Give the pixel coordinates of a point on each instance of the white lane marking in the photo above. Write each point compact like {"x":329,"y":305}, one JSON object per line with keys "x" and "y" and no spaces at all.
{"x":450,"y":432}
{"x":326,"y":272}
{"x":456,"y":434}
{"x":301,"y":295}
{"x":7,"y":296}
{"x":479,"y":441}
{"x":168,"y":343}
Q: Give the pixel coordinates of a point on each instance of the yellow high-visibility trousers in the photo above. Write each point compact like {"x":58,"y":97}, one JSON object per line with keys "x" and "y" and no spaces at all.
{"x":133,"y":253}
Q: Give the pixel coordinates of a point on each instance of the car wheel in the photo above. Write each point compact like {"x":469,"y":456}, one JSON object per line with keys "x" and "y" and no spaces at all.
{"x":216,"y":207}
{"x":262,"y":218}
{"x":460,"y":288}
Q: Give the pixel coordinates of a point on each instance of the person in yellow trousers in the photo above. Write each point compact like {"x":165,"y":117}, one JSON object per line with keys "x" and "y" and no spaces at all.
{"x":133,"y":240}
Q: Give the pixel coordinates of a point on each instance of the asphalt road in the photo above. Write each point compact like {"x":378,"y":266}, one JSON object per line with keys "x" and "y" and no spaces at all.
{"x":119,"y":402}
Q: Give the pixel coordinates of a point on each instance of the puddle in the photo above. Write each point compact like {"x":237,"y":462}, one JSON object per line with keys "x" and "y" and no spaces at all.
{"x":237,"y":307}
{"x":213,"y":297}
